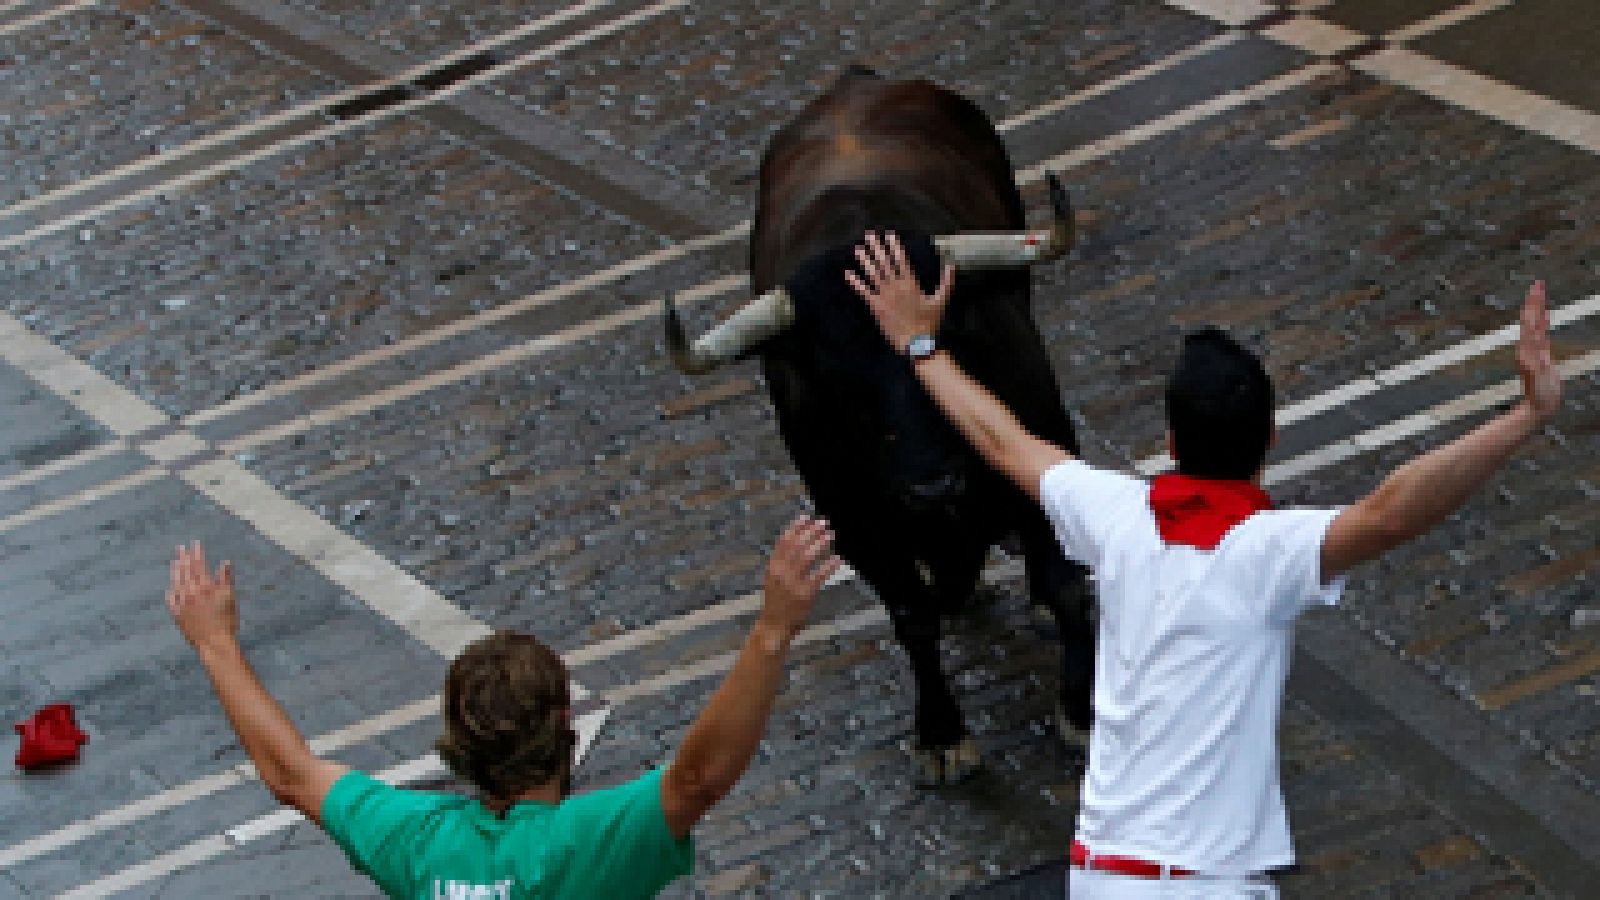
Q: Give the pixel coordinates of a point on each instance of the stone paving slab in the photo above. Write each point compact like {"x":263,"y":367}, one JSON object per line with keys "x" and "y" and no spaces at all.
{"x":299,"y":261}
{"x":697,"y":93}
{"x":117,"y":82}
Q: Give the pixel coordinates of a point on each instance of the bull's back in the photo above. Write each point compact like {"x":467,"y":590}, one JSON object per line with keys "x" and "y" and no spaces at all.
{"x":881,"y":155}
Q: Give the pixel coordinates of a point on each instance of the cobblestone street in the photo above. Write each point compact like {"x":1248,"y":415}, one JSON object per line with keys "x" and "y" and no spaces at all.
{"x":367,"y":295}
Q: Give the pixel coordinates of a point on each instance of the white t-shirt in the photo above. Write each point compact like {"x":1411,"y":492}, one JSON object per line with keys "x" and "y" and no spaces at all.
{"x":1189,"y":672}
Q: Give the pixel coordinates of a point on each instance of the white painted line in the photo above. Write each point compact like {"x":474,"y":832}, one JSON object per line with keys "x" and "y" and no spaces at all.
{"x":1436,"y":416}
{"x":1329,"y":399}
{"x":43,"y":16}
{"x":334,"y":129}
{"x":517,"y":353}
{"x":75,"y":381}
{"x":173,"y":447}
{"x":320,"y":105}
{"x":1176,"y":120}
{"x":1210,"y":45}
{"x":84,"y":497}
{"x":64,"y":464}
{"x":1486,"y":96}
{"x":1454,"y":354}
{"x":1231,"y":13}
{"x":384,"y":587}
{"x":1442,"y":20}
{"x":1314,"y":36}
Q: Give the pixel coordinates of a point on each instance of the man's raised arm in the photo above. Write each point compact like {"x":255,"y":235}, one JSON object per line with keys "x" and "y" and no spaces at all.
{"x":203,"y":605}
{"x":903,"y":312}
{"x":723,"y":738}
{"x":1421,"y":493}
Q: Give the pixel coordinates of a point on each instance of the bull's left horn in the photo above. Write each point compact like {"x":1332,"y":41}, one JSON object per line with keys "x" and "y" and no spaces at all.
{"x":1008,"y":249}
{"x":761,"y":318}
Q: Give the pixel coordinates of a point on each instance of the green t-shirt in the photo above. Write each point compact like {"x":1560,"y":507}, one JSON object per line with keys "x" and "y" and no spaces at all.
{"x":434,"y":846}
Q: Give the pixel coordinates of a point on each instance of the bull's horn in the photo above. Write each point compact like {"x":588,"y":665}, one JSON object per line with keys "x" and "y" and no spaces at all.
{"x":761,"y":318}
{"x":1008,"y":249}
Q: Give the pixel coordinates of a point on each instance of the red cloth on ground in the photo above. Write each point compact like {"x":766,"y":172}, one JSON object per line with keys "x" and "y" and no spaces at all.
{"x":49,"y":736}
{"x":1200,"y":511}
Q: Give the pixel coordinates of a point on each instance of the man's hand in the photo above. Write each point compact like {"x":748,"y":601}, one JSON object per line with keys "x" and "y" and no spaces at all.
{"x":801,"y":564}
{"x":892,"y":293}
{"x":203,"y":603}
{"x":1541,"y":380}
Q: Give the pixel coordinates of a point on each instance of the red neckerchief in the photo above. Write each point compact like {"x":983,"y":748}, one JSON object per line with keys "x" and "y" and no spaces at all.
{"x":1200,"y":511}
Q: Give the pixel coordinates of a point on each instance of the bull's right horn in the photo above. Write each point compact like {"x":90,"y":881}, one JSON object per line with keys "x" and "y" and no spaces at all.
{"x":1009,"y":249}
{"x":761,"y":318}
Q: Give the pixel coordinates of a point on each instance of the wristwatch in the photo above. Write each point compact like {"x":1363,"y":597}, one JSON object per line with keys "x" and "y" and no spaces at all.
{"x":921,"y":347}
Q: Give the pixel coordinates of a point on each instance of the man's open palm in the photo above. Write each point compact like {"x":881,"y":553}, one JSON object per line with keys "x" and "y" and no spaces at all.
{"x":1541,"y":380}
{"x":202,"y":602}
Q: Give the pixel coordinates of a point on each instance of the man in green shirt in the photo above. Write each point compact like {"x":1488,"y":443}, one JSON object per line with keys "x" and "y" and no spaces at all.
{"x":507,"y":730}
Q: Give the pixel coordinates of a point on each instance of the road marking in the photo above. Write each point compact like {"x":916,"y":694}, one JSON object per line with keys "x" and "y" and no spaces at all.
{"x":43,"y":16}
{"x":84,"y":497}
{"x":465,"y":324}
{"x":1462,"y":88}
{"x":1439,"y":21}
{"x":478,"y":365}
{"x":1468,"y":90}
{"x":321,"y":105}
{"x":64,"y":464}
{"x":386,"y":588}
{"x":1210,"y":45}
{"x":342,"y":126}
{"x":1176,"y":120}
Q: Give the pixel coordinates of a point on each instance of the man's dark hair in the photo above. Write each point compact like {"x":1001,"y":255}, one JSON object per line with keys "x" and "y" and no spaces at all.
{"x":1219,"y":407}
{"x":507,"y":716}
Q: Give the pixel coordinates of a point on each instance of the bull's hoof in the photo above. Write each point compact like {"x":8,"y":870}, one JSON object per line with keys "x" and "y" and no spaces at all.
{"x":1072,"y":736}
{"x":943,"y":766}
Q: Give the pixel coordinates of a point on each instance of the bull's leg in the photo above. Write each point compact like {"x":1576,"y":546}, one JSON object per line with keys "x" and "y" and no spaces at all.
{"x":955,"y":574}
{"x":1064,"y":588}
{"x":945,"y":754}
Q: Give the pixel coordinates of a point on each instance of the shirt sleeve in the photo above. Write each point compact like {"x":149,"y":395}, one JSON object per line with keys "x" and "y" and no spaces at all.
{"x":377,"y":825}
{"x":626,"y":830}
{"x":1084,"y":503}
{"x":1290,"y":556}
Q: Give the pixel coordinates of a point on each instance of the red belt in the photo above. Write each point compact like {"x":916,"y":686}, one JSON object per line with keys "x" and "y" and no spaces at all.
{"x":1123,"y":865}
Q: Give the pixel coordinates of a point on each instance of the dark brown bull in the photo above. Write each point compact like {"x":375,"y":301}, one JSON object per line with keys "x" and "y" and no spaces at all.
{"x":914,"y":509}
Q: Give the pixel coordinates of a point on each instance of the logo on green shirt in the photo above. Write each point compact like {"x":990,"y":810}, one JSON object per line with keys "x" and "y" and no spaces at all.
{"x":466,"y":890}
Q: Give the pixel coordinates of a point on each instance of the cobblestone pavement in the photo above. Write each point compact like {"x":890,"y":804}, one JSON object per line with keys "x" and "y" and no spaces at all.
{"x":435,"y":331}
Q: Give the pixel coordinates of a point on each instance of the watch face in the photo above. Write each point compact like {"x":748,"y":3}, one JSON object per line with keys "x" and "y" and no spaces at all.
{"x":920,"y":347}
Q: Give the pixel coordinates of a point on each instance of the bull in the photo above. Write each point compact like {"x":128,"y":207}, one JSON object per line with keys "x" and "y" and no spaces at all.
{"x":914,"y":510}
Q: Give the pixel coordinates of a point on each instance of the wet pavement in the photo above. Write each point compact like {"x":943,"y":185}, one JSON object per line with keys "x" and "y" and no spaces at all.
{"x":416,"y":312}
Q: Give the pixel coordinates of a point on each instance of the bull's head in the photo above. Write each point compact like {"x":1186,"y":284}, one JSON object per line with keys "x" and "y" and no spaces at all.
{"x":770,"y":313}
{"x":923,"y":461}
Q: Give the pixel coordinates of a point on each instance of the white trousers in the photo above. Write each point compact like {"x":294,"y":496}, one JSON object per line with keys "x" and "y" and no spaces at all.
{"x":1093,"y":884}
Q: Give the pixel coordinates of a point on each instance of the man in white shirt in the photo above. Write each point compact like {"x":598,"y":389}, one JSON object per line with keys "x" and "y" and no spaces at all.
{"x":1200,"y":582}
